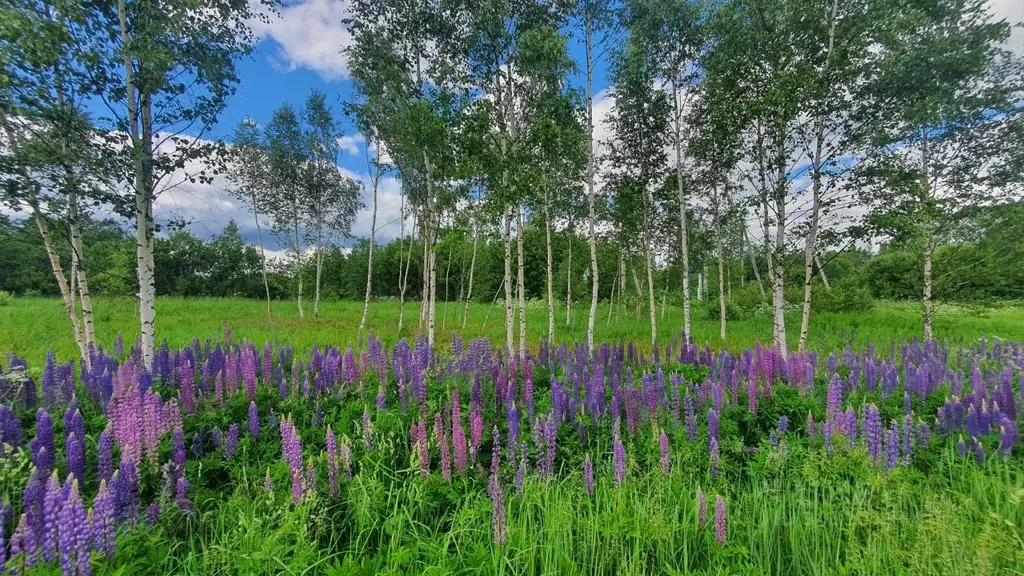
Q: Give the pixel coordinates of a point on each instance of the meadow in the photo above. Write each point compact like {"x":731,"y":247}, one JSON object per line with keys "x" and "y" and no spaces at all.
{"x":290,"y":449}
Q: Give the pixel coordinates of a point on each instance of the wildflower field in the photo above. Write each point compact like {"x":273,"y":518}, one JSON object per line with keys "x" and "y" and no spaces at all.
{"x":231,"y":456}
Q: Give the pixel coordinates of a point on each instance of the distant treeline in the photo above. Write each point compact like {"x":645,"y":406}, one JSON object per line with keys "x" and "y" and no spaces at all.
{"x":985,"y":265}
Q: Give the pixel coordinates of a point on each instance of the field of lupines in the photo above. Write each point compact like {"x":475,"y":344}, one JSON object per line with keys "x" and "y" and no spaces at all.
{"x":228,"y":457}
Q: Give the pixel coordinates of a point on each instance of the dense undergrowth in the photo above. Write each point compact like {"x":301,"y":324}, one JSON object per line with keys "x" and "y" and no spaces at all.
{"x":854,"y":462}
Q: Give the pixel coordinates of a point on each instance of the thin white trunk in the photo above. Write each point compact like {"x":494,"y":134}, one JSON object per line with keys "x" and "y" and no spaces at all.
{"x":62,"y":283}
{"x":447,"y":275}
{"x":403,"y":280}
{"x":298,"y":259}
{"x":753,"y":261}
{"x":520,"y":284}
{"x":263,"y":255}
{"x":650,"y":272}
{"x":611,"y":302}
{"x":721,"y":264}
{"x":778,"y":279}
{"x":373,"y":241}
{"x":472,"y":267}
{"x":77,"y":248}
{"x":509,"y":328}
{"x":590,"y":181}
{"x":929,"y":242}
{"x":821,"y":272}
{"x":550,"y":277}
{"x":568,"y":281}
{"x":810,"y":248}
{"x":683,"y":247}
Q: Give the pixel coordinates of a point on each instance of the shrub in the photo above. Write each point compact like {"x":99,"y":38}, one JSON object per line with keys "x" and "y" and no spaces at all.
{"x":843,"y":297}
{"x":732,"y":311}
{"x":5,"y":298}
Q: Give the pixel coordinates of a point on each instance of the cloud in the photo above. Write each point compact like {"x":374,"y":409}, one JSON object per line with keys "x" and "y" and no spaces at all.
{"x":309,"y":35}
{"x":350,"y":144}
{"x":1012,"y":11}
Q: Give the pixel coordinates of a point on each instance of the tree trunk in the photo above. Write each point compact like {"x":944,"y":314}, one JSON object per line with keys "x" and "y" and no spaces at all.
{"x":821,"y":273}
{"x":650,"y":272}
{"x":778,"y":279}
{"x":753,"y":261}
{"x":721,"y":266}
{"x":639,"y":291}
{"x":77,"y":248}
{"x":622,"y":285}
{"x":434,"y":226}
{"x":926,"y":297}
{"x":298,"y":260}
{"x":369,"y":257}
{"x":520,"y":284}
{"x":550,"y":278}
{"x":810,"y":249}
{"x":509,"y":327}
{"x":568,"y":280}
{"x":472,"y":267}
{"x":447,"y":275}
{"x":611,"y":302}
{"x":319,"y":261}
{"x":62,"y":283}
{"x":590,"y":182}
{"x":425,"y":272}
{"x":403,"y":279}
{"x":683,"y":247}
{"x":263,"y":255}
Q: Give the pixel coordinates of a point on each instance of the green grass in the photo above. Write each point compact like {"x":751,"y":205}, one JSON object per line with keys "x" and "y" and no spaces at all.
{"x":30,"y":326}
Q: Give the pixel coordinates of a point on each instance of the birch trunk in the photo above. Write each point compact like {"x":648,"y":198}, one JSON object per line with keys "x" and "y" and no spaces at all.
{"x":472,"y":267}
{"x":778,"y":279}
{"x":369,"y":257}
{"x":521,"y":285}
{"x":810,"y":249}
{"x":550,"y":278}
{"x":753,"y":261}
{"x":721,"y":268}
{"x":318,"y":260}
{"x":509,"y":327}
{"x":403,"y":279}
{"x":62,"y":283}
{"x":84,"y":296}
{"x":447,"y":275}
{"x":683,"y":240}
{"x":650,"y":273}
{"x":298,"y":259}
{"x":821,"y":272}
{"x":263,"y":255}
{"x":568,"y":281}
{"x":590,"y":181}
{"x":929,"y":243}
{"x":424,"y":272}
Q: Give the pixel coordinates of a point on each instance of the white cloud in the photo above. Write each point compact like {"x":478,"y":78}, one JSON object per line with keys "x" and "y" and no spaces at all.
{"x":309,"y":35}
{"x":350,"y":144}
{"x":1012,"y":11}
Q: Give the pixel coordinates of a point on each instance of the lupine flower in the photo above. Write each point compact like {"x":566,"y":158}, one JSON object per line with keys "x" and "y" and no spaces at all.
{"x":181,"y":494}
{"x":1008,"y":436}
{"x":421,"y":445}
{"x":153,"y":513}
{"x":231,"y":443}
{"x":892,"y":447}
{"x":296,"y":487}
{"x":588,"y":475}
{"x":332,"y":463}
{"x":254,"y":420}
{"x":178,"y":452}
{"x":23,"y":544}
{"x":446,"y":454}
{"x":345,"y":452}
{"x":619,"y":459}
{"x":961,"y":447}
{"x":367,"y":429}
{"x":74,"y":535}
{"x":690,"y":418}
{"x":105,"y":455}
{"x":75,"y":456}
{"x":702,"y":509}
{"x":665,"y":462}
{"x":268,"y":484}
{"x":53,"y":502}
{"x":812,"y":429}
{"x":42,"y":447}
{"x":721,"y":528}
{"x":458,"y":434}
{"x":103,"y":522}
{"x":713,"y":453}
{"x":873,"y":432}
{"x":520,"y":470}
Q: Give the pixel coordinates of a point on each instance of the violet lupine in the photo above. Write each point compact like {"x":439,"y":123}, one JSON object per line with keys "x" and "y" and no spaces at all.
{"x":181,"y":494}
{"x":422,"y":449}
{"x":268,"y":484}
{"x":231,"y":442}
{"x":153,"y":513}
{"x":345,"y":453}
{"x":924,"y":434}
{"x":961,"y":448}
{"x":74,"y":535}
{"x":33,"y":497}
{"x":873,"y":432}
{"x":712,"y":425}
{"x":75,"y":456}
{"x":520,"y":470}
{"x":665,"y":461}
{"x":332,"y":463}
{"x":43,"y":453}
{"x":497,"y":495}
{"x":713,"y":454}
{"x":367,"y":429}
{"x":702,"y":509}
{"x":690,"y":417}
{"x":446,"y":454}
{"x":104,"y":527}
{"x":23,"y":546}
{"x":619,"y":459}
{"x":3,"y":543}
{"x":458,"y":435}
{"x":1008,"y":435}
{"x":588,"y":475}
{"x":812,"y":429}
{"x":297,"y":491}
{"x":908,"y":438}
{"x":53,"y":502}
{"x":254,"y":420}
{"x":105,"y":455}
{"x":892,"y":447}
{"x":74,"y":423}
{"x":721,"y":522}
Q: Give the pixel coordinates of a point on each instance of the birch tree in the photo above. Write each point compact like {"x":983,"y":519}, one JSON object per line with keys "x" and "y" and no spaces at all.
{"x":250,"y":178}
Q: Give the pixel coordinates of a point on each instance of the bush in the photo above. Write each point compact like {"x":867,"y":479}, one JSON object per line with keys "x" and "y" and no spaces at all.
{"x":748,"y":299}
{"x":843,"y":297}
{"x":5,"y":298}
{"x":732,"y":311}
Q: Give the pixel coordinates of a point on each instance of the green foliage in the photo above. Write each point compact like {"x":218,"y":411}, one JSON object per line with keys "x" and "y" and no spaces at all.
{"x":5,"y":298}
{"x":843,"y":297}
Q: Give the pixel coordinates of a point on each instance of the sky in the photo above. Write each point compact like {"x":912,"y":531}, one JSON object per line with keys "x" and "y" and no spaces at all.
{"x":301,"y":51}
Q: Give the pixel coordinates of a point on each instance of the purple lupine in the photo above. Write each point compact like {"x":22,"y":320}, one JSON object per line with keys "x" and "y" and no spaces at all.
{"x":721,"y":522}
{"x":979,"y":451}
{"x":181,"y":494}
{"x":892,"y":447}
{"x":476,"y":430}
{"x":23,"y":544}
{"x":690,"y":417}
{"x":702,"y":509}
{"x":519,"y":480}
{"x":73,"y":422}
{"x":3,"y":543}
{"x":105,"y":455}
{"x":178,"y":454}
{"x":619,"y":459}
{"x":665,"y":461}
{"x":332,"y":463}
{"x":345,"y":454}
{"x":458,"y":434}
{"x":32,"y":501}
{"x":924,"y":434}
{"x":812,"y":429}
{"x":908,"y":439}
{"x":588,"y":475}
{"x":73,"y":535}
{"x":75,"y":456}
{"x":783,"y":425}
{"x":961,"y":448}
{"x":446,"y":453}
{"x":53,"y":502}
{"x":422,"y":449}
{"x":1008,"y":436}
{"x":231,"y":442}
{"x":254,"y":420}
{"x":512,"y":415}
{"x":873,"y":432}
{"x":713,"y":455}
{"x":153,"y":513}
{"x":296,"y":487}
{"x":268,"y":484}
{"x":104,"y":527}
{"x":367,"y":429}
{"x":43,"y":453}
